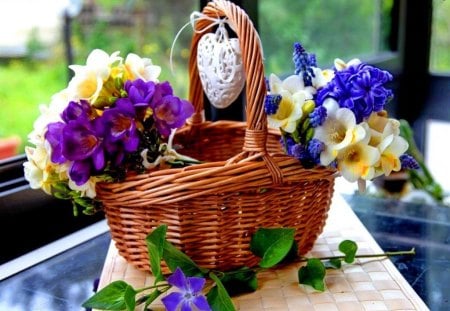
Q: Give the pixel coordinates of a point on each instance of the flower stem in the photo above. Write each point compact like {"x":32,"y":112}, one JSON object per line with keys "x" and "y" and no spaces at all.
{"x":411,"y":252}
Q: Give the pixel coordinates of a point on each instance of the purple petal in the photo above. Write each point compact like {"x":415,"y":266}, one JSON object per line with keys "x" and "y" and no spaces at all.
{"x":186,"y":305}
{"x":80,"y":172}
{"x":98,"y":157}
{"x":196,"y":284}
{"x":172,"y":301}
{"x":54,"y":137}
{"x":201,"y":303}
{"x":79,"y":142}
{"x":178,"y":279}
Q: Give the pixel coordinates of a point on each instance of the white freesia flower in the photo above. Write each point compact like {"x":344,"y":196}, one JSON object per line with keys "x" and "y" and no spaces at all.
{"x":141,"y":68}
{"x":87,"y":189}
{"x":357,"y":161}
{"x":338,"y":131}
{"x":88,"y":80}
{"x":321,"y":77}
{"x":340,"y":65}
{"x":391,"y":148}
{"x":293,"y":96}
{"x":37,"y":168}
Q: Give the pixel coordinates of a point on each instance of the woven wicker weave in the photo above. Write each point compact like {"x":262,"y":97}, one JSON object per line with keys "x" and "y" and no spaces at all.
{"x":246,"y":182}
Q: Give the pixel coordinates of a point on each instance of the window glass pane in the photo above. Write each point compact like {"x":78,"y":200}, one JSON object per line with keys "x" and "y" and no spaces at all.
{"x":330,"y":29}
{"x":440,"y":37}
{"x":33,"y":61}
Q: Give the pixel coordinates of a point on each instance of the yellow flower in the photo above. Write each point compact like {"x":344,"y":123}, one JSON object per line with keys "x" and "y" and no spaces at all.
{"x":391,"y":148}
{"x":338,"y":131}
{"x":357,"y":161}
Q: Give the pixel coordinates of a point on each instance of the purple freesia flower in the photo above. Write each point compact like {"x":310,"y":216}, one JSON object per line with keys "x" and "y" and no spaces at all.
{"x":359,"y":88}
{"x":120,"y":128}
{"x":75,"y":111}
{"x":139,"y":93}
{"x":190,"y":296}
{"x":54,"y":137}
{"x":171,"y":112}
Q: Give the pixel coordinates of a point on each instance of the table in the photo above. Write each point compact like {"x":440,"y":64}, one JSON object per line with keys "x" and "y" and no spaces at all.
{"x":371,"y":284}
{"x":65,"y":280}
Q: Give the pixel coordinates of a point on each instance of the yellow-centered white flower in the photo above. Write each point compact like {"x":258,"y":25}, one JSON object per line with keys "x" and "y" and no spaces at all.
{"x":141,"y":68}
{"x":338,"y":131}
{"x":88,"y":80}
{"x":340,"y":65}
{"x":293,"y":97}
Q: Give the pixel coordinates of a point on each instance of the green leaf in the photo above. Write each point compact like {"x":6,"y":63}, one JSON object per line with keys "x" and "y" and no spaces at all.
{"x":175,"y":258}
{"x":130,"y":298}
{"x":152,"y":297}
{"x":218,"y":297}
{"x":115,"y":296}
{"x":155,"y":246}
{"x":349,"y":249}
{"x":313,"y":274}
{"x":334,"y":263}
{"x":272,"y":245}
{"x":240,"y":281}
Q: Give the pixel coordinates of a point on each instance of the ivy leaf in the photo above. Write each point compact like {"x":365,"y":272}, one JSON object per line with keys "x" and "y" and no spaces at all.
{"x":349,"y":249}
{"x":240,"y":281}
{"x":313,"y":274}
{"x":272,"y":245}
{"x":218,"y":297}
{"x":115,"y":296}
{"x":334,"y":263}
{"x":155,"y":246}
{"x":175,"y":258}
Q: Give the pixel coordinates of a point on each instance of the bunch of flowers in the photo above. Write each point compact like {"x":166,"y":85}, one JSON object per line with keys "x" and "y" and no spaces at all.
{"x":113,"y":117}
{"x":336,"y":117}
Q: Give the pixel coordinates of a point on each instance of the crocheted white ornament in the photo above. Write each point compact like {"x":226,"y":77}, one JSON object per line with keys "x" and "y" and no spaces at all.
{"x":219,"y":63}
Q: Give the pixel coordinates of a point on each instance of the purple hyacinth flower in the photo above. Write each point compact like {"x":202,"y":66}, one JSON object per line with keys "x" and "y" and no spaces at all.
{"x":408,"y":162}
{"x":171,"y":113}
{"x":54,"y":137}
{"x":318,"y":116}
{"x":190,"y":296}
{"x":271,"y":103}
{"x":359,"y":88}
{"x":315,"y":148}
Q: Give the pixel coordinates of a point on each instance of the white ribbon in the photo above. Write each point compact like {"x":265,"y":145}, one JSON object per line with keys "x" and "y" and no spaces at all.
{"x":196,"y":16}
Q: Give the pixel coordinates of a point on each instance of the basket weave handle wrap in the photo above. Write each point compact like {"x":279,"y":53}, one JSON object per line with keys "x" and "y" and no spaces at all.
{"x":256,"y":136}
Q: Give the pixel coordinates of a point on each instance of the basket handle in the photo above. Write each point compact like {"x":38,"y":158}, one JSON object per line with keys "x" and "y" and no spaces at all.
{"x":256,"y":130}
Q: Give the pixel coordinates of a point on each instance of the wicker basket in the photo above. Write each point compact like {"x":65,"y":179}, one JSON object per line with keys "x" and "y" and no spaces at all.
{"x":246,"y":182}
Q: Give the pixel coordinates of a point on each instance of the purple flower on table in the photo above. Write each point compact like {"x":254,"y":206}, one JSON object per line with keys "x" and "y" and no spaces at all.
{"x":170,"y":113}
{"x":189,"y":297}
{"x":359,"y":88}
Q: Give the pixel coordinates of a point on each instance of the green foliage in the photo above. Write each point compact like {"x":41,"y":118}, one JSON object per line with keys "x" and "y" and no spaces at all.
{"x":272,"y":245}
{"x":313,"y":274}
{"x":118,"y":295}
{"x":264,"y":243}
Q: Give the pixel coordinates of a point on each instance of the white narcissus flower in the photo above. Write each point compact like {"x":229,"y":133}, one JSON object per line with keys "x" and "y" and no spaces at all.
{"x":87,"y":189}
{"x":357,"y":161}
{"x":293,"y":97}
{"x":141,"y":68}
{"x":88,"y":80}
{"x":338,"y":131}
{"x":321,"y":77}
{"x":37,"y":168}
{"x":340,"y":65}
